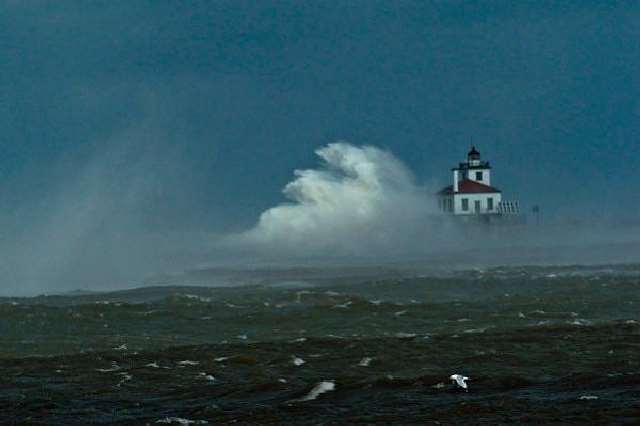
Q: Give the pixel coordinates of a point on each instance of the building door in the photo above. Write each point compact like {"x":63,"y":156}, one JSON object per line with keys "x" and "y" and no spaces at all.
{"x":476,"y":206}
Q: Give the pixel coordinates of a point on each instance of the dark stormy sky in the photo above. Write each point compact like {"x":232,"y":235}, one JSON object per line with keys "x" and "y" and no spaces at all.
{"x":186,"y":116}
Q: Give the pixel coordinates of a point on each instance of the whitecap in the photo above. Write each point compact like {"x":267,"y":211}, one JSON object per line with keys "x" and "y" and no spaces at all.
{"x":299,"y":295}
{"x":125,"y":378}
{"x":206,"y":376}
{"x":335,"y":336}
{"x":181,"y":421}
{"x":364,"y":362}
{"x":475,"y":330}
{"x":580,"y":322}
{"x":196,"y":297}
{"x":319,"y":389}
{"x":187,"y":362}
{"x":114,"y":367}
{"x":298,"y":361}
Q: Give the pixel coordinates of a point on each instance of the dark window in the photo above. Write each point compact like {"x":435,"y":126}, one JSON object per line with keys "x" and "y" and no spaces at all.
{"x":489,"y":203}
{"x":476,"y":206}
{"x":465,"y":204}
{"x":478,"y":175}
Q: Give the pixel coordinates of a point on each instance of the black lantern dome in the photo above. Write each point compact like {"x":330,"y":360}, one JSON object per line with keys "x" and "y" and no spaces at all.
{"x":473,"y":154}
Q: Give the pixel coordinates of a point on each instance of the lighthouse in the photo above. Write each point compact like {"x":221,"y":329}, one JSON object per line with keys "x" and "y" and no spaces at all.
{"x":471,"y":193}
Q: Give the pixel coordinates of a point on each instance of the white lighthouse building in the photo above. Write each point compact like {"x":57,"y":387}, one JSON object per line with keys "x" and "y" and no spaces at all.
{"x":471,"y":192}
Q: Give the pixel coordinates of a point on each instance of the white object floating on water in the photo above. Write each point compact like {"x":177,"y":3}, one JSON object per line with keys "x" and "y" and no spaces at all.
{"x":460,"y":380}
{"x":298,"y":361}
{"x":588,"y":397}
{"x":319,"y":389}
{"x":181,"y":421}
{"x":364,"y":362}
{"x":188,"y":362}
{"x":282,"y":380}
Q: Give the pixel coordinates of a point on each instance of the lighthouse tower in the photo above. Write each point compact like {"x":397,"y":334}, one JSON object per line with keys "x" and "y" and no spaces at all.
{"x":471,"y":192}
{"x":475,"y":169}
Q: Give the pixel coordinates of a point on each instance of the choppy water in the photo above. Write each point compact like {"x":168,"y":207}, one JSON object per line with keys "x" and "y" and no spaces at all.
{"x":541,"y":345}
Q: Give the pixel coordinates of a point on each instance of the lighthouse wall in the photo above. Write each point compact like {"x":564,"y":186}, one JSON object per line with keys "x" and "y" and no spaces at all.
{"x":471,"y":199}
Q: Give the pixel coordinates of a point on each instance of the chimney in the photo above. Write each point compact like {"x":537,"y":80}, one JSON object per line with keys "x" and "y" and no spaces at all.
{"x":455,"y":180}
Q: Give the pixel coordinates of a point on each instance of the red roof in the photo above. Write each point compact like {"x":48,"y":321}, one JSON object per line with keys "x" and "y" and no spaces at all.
{"x":467,"y":186}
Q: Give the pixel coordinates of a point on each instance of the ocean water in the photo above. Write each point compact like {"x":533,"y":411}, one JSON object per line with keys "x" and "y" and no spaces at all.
{"x":541,"y":345}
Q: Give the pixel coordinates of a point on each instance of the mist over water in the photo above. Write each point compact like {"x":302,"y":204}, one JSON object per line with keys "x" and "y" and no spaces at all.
{"x":130,"y":213}
{"x":101,"y":222}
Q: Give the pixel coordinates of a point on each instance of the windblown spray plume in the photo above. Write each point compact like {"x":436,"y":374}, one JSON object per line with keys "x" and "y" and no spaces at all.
{"x":360,"y":201}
